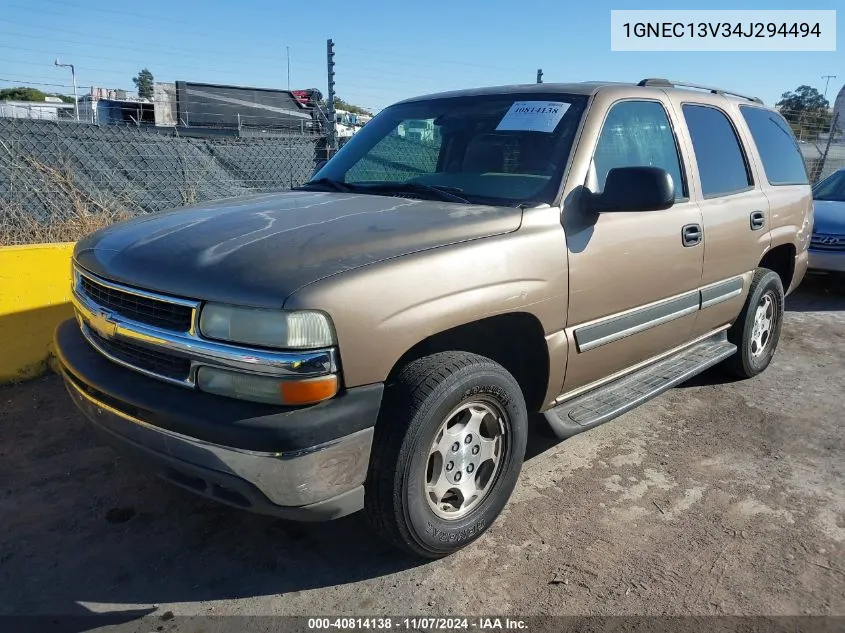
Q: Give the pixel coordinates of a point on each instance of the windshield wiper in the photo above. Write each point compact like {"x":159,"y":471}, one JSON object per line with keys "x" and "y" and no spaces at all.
{"x":326,"y":182}
{"x":444,"y":193}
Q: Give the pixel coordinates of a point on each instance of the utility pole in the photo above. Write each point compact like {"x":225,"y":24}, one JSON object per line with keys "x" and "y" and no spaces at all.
{"x":827,"y":79}
{"x":539,"y":75}
{"x":330,"y":114}
{"x":288,"y":49}
{"x":73,"y":76}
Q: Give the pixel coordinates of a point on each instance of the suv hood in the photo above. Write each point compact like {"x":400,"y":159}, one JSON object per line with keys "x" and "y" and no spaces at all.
{"x":258,"y":250}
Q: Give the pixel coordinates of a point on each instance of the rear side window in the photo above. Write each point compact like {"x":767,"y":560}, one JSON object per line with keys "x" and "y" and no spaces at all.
{"x":781,"y":156}
{"x":721,"y":162}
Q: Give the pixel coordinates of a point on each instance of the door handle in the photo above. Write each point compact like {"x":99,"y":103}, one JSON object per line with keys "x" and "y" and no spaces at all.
{"x":691,"y":234}
{"x":758,"y":220}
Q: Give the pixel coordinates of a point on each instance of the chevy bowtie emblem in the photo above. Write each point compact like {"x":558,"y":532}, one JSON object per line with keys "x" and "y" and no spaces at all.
{"x":102,"y":324}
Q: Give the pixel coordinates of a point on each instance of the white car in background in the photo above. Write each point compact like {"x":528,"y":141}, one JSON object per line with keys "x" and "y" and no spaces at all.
{"x":827,"y":244}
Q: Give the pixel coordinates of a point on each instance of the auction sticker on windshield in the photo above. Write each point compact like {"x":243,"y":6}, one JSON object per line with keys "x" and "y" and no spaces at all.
{"x":533,"y":116}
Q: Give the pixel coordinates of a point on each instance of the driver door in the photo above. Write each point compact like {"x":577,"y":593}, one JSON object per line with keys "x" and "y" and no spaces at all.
{"x":633,"y":276}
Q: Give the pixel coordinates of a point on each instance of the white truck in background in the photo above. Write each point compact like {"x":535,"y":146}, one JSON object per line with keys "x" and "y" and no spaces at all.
{"x":347,"y":123}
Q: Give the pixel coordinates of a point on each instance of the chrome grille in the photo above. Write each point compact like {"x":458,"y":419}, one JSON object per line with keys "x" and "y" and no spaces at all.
{"x":154,"y":334}
{"x":162,"y":314}
{"x":160,"y":363}
{"x":828,"y":242}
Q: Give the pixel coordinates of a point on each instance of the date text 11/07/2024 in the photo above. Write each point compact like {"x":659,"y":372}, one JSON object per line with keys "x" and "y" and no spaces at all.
{"x":721,"y":29}
{"x":418,"y":624}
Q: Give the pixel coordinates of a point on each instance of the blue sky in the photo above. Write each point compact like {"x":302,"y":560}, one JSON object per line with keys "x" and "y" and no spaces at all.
{"x":385,"y":51}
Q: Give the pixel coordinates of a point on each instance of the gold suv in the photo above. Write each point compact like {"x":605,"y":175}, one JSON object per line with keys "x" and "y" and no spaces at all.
{"x":376,"y":338}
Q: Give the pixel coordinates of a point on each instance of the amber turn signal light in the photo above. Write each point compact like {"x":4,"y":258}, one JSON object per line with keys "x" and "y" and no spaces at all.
{"x":308,"y":391}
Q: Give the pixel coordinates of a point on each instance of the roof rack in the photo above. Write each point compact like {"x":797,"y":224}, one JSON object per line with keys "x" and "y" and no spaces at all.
{"x":665,"y":83}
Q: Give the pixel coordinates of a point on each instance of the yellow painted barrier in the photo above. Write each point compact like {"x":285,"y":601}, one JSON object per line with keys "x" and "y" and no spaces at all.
{"x":34,"y":299}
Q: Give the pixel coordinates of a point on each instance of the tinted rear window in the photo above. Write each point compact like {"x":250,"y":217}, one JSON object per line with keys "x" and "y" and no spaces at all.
{"x":781,"y":156}
{"x":721,"y":162}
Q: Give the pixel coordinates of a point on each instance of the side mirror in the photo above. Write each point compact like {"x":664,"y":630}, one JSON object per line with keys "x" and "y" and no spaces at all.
{"x":635,"y":189}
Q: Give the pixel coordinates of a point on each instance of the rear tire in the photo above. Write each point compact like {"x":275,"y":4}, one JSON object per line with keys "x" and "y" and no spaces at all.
{"x":447,"y":452}
{"x":756,"y":332}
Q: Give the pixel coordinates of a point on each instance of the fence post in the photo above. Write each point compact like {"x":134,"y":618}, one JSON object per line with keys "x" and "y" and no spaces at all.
{"x":820,"y":167}
{"x":331,"y":140}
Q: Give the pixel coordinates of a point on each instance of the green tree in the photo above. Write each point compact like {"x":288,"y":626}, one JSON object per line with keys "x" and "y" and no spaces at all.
{"x":340,"y":104}
{"x":807,"y":112}
{"x":30,"y":94}
{"x":349,"y":107}
{"x":21,"y":94}
{"x":144,"y":83}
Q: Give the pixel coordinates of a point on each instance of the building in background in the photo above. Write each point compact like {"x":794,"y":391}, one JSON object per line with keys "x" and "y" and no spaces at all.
{"x":109,"y":106}
{"x":51,"y":109}
{"x":164,"y":104}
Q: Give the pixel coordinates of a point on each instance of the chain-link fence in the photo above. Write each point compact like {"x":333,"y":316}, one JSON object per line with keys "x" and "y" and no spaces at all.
{"x":60,"y":180}
{"x":820,"y":137}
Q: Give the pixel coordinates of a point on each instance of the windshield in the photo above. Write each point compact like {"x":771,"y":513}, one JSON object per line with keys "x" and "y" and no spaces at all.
{"x":491,"y":149}
{"x":831,"y":188}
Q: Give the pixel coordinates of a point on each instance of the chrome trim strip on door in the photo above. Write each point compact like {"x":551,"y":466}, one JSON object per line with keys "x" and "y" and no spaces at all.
{"x":620,"y":325}
{"x":721,"y":291}
{"x":614,"y":328}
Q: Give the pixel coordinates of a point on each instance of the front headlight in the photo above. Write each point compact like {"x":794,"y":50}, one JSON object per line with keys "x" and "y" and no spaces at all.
{"x":303,"y":329}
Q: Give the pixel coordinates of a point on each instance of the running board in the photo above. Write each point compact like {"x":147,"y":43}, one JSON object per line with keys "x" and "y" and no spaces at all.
{"x":623,"y":394}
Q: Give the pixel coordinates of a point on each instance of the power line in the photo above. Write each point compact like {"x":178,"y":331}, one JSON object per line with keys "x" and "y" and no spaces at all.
{"x":402,"y":77}
{"x":160,"y":24}
{"x":226,"y":26}
{"x":251,"y":35}
{"x":36,"y":83}
{"x":429,"y":59}
{"x":827,"y":79}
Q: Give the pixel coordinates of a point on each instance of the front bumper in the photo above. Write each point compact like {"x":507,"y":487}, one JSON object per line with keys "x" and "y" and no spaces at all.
{"x":301,"y":463}
{"x":827,"y":261}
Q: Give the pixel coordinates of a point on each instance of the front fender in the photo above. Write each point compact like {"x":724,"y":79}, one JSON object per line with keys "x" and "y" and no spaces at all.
{"x":383,"y":310}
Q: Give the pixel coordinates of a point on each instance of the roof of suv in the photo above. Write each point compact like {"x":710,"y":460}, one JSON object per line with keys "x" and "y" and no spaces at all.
{"x":587,"y":88}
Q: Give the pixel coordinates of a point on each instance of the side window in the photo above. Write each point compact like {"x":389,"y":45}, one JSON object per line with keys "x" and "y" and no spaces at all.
{"x":782,"y":159}
{"x":638,"y":134}
{"x":721,"y":162}
{"x":410,"y":150}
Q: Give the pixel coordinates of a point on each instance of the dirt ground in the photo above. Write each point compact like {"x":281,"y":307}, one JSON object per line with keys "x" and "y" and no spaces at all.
{"x":715,"y":498}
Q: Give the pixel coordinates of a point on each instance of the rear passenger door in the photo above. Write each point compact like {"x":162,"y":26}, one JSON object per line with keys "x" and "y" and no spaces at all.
{"x":734,"y":209}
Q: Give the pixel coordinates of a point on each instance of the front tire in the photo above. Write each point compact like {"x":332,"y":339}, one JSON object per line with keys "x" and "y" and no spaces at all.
{"x":447,"y":453}
{"x":756,"y":332}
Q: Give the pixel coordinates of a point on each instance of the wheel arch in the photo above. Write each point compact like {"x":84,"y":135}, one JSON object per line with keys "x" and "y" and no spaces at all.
{"x":515,"y":340}
{"x":781,"y":259}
